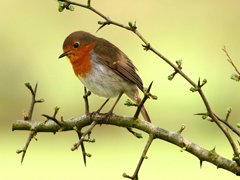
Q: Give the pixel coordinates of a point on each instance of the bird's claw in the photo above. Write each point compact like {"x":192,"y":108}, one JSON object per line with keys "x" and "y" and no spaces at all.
{"x":105,"y":115}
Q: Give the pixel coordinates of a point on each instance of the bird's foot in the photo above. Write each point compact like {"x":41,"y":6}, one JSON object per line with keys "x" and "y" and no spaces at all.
{"x":105,"y":115}
{"x":94,"y":113}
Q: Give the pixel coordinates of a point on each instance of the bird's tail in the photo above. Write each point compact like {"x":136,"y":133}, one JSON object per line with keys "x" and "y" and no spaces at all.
{"x":145,"y":114}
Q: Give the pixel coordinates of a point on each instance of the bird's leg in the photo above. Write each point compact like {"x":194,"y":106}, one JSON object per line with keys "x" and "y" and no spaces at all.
{"x":108,"y":114}
{"x":98,"y":111}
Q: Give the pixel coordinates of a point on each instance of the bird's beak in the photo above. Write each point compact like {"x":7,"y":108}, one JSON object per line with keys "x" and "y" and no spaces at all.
{"x":64,"y":54}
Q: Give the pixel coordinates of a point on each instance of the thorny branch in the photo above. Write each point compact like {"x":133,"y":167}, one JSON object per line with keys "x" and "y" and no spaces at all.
{"x":123,"y":121}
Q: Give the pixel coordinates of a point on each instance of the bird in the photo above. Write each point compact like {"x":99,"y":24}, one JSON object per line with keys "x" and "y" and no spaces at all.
{"x":103,"y":69}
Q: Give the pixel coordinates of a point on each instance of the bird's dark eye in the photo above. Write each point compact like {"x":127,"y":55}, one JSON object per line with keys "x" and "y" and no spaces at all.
{"x":76,"y":45}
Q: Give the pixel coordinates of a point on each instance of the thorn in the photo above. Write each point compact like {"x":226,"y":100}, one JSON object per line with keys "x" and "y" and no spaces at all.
{"x":200,"y":114}
{"x":201,"y":164}
{"x":104,"y":24}
{"x":53,"y":119}
{"x":89,"y":3}
{"x":149,"y":88}
{"x":84,"y":154}
{"x":199,"y":82}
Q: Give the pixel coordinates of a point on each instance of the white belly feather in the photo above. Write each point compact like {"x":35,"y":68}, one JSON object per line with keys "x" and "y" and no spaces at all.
{"x":106,"y":83}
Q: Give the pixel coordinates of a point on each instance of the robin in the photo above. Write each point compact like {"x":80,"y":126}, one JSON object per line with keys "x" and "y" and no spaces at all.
{"x":103,"y":68}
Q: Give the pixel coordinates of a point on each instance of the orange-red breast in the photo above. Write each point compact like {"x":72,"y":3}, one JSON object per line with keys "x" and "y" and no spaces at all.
{"x":103,"y":68}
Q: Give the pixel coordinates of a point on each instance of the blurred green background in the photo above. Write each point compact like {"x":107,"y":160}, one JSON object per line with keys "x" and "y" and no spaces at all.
{"x":32,"y":33}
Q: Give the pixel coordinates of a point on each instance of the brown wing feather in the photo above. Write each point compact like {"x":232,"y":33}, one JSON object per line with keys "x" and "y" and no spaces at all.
{"x":110,"y":56}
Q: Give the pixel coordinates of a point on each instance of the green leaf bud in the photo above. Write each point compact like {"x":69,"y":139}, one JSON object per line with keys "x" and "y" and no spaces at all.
{"x":192,"y":89}
{"x":60,"y":8}
{"x":128,"y":103}
{"x":170,"y":77}
{"x":71,"y":7}
{"x":124,"y":175}
{"x":154,"y":97}
{"x":92,"y":140}
{"x":63,"y":3}
{"x":18,"y":151}
{"x":100,"y":22}
{"x":139,"y":135}
{"x":88,"y":155}
{"x":235,"y":77}
{"x":28,"y":85}
{"x":56,"y":108}
{"x":204,"y":80}
{"x":229,"y":109}
{"x":130,"y":23}
{"x":235,"y":158}
{"x":89,"y":93}
{"x":179,"y":62}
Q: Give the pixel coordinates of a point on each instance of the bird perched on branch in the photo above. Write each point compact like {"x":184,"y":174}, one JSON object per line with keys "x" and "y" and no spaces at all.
{"x":103,"y":68}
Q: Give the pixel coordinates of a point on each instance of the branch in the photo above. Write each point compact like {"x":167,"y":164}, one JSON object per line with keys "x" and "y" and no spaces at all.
{"x":124,"y":121}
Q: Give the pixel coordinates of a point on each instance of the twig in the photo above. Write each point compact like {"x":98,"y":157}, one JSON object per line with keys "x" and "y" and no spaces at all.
{"x":53,"y":119}
{"x":230,"y":60}
{"x":33,"y":92}
{"x":84,"y":134}
{"x":82,"y":147}
{"x":228,"y":125}
{"x":223,"y":121}
{"x":138,"y":135}
{"x":24,"y":150}
{"x":146,"y":96}
{"x":30,"y":112}
{"x":86,"y":99}
{"x":150,"y":139}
